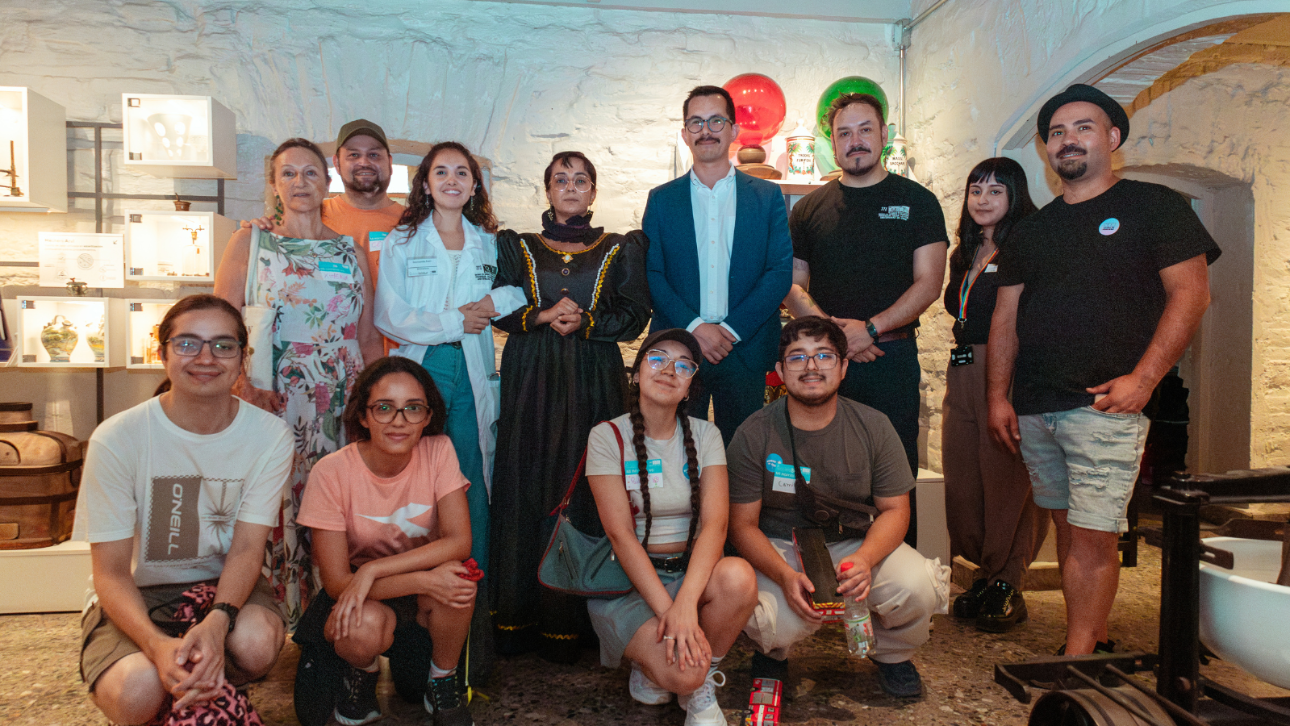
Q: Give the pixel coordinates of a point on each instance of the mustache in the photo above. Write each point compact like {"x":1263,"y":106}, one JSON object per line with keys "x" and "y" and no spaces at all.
{"x":859,"y":148}
{"x":1072,"y":147}
{"x":706,"y":138}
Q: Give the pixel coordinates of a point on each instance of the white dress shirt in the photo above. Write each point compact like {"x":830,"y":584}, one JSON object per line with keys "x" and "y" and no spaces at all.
{"x":714,"y":234}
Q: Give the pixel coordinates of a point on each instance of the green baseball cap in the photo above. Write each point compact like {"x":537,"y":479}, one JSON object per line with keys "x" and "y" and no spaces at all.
{"x":364,"y":127}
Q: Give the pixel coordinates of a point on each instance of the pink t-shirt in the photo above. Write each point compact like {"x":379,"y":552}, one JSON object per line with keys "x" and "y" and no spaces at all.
{"x":381,"y":517}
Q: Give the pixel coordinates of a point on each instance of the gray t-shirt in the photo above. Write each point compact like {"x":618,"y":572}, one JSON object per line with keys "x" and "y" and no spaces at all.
{"x":857,"y":455}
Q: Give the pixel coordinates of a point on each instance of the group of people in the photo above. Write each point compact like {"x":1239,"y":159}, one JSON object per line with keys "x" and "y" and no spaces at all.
{"x":392,"y":462}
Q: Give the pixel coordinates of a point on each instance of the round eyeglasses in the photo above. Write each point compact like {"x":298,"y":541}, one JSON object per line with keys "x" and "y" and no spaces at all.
{"x":823,"y":361}
{"x":658,"y":360}
{"x":714,"y":124}
{"x":413,"y":413}
{"x":189,"y":346}
{"x":579,"y":184}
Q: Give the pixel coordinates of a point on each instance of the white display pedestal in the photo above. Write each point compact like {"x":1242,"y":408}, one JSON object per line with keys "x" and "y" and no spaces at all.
{"x":176,"y":247}
{"x":933,"y":532}
{"x":37,"y":129}
{"x":46,"y":580}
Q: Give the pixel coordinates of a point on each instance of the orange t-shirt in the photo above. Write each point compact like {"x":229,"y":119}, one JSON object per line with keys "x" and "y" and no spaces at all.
{"x":382,"y":517}
{"x":347,"y":219}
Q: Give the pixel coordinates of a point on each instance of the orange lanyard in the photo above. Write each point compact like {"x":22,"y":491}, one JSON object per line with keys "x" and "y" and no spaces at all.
{"x":965,"y":288}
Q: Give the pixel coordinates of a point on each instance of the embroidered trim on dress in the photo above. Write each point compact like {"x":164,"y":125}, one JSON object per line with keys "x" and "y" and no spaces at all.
{"x":537,"y":292}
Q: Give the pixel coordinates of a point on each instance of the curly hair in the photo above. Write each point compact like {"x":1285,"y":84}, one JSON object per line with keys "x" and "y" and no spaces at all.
{"x":814,"y":327}
{"x":478,"y":211}
{"x":642,"y":457}
{"x":367,"y":380}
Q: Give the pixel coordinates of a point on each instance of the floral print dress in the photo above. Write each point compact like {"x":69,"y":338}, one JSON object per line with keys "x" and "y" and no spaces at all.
{"x":317,"y":288}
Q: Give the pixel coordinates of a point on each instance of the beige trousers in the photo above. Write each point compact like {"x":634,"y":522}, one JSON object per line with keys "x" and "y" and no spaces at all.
{"x":902,"y":600}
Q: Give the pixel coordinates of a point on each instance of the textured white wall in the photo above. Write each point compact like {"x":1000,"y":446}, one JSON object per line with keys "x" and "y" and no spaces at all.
{"x":1233,"y":121}
{"x":978,"y":69}
{"x":515,"y":83}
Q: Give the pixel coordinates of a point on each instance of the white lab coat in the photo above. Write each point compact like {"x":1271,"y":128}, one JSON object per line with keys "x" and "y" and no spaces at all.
{"x":410,"y":310}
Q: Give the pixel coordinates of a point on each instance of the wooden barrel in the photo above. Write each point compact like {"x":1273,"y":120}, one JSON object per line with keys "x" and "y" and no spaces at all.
{"x":40,"y":474}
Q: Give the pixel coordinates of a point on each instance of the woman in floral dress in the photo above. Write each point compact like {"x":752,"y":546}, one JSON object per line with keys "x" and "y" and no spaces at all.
{"x":316,"y":281}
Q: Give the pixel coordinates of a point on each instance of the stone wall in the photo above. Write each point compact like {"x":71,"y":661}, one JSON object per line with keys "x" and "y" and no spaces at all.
{"x":1233,"y":122}
{"x":978,"y":69}
{"x":514,"y":82}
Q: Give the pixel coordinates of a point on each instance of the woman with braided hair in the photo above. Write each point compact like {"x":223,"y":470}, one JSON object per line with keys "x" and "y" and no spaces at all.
{"x":659,"y":480}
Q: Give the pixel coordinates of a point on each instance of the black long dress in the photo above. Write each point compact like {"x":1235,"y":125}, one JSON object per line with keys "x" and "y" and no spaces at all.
{"x":554,"y":390}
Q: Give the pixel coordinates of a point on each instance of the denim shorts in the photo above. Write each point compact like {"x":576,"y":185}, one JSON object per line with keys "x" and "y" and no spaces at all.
{"x":1086,"y":462}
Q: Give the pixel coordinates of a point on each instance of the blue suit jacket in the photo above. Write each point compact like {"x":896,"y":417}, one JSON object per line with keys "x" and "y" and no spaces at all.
{"x":761,"y":264}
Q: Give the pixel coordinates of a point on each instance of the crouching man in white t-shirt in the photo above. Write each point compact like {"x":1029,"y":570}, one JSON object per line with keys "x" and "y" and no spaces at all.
{"x":179,"y":490}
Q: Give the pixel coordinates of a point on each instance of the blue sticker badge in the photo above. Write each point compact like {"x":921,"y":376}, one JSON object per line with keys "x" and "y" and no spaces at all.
{"x":1109,"y":226}
{"x":772,"y":462}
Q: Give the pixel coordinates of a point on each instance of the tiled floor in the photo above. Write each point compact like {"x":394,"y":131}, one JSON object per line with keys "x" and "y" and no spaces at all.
{"x":39,"y":684}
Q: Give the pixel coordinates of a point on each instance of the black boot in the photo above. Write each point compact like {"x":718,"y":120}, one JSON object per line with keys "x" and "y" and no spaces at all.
{"x":1002,"y":608}
{"x":968,"y":604}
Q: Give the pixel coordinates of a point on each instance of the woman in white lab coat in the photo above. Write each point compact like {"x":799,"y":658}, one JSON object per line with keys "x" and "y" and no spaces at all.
{"x":435,"y":299}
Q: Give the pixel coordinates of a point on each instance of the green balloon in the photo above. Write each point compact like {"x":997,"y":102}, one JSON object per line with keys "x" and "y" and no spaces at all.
{"x":850,"y":84}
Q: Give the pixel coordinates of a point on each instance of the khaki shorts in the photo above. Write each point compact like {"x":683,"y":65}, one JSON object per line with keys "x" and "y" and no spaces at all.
{"x":103,"y":644}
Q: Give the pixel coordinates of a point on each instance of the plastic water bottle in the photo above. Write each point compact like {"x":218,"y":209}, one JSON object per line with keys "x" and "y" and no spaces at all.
{"x":858,"y":625}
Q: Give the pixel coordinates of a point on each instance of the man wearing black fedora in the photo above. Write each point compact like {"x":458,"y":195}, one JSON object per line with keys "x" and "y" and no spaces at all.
{"x":1100,"y":292}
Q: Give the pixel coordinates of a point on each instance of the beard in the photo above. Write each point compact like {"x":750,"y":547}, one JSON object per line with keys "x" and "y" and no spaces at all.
{"x":374,"y":184}
{"x":1072,"y":169}
{"x":856,"y":166}
{"x":818,"y":399}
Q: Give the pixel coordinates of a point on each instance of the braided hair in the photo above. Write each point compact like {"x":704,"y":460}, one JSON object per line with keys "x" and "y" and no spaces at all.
{"x":642,"y":457}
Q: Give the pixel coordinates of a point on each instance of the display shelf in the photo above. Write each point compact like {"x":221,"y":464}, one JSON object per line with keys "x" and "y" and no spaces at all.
{"x":179,"y":247}
{"x":65,"y":332}
{"x":181,"y":137}
{"x":33,"y":152}
{"x":142,"y":318}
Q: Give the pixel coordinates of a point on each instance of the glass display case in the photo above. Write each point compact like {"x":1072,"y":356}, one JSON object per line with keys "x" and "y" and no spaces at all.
{"x":33,"y":152}
{"x":181,"y":137}
{"x":180,"y":247}
{"x":64,"y":332}
{"x":142,"y":319}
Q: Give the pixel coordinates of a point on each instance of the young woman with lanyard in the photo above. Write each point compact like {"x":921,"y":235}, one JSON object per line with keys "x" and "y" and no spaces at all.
{"x":992,"y":518}
{"x":659,"y":481}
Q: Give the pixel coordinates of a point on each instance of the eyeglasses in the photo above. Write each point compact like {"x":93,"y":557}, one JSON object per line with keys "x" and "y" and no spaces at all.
{"x":580,"y":184}
{"x":189,"y":347}
{"x":659,"y":360}
{"x":823,"y":361}
{"x":413,"y":413}
{"x":714,"y":124}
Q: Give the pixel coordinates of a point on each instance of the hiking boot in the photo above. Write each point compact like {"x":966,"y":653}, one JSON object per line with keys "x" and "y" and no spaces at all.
{"x":357,"y":704}
{"x":701,"y":707}
{"x":1002,"y":608}
{"x":443,"y":701}
{"x":968,"y":604}
{"x":644,"y":690}
{"x":900,"y":679}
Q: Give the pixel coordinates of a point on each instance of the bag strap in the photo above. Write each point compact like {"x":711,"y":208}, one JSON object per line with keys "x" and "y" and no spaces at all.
{"x":252,"y":279}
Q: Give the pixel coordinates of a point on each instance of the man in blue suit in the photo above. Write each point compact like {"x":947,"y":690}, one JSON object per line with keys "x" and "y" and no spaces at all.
{"x":720,"y":263}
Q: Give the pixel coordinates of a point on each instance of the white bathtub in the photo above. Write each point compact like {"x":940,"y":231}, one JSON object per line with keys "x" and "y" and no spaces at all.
{"x":1244,"y":617}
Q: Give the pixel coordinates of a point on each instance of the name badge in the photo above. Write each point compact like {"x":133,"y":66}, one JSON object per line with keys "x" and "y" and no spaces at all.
{"x":335,"y":272}
{"x":375,"y":240}
{"x":422,"y":266}
{"x":992,"y":267}
{"x":785,"y":481}
{"x":653,"y":467}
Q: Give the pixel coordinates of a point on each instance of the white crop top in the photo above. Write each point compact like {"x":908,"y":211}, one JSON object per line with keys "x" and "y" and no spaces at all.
{"x":668,"y":478}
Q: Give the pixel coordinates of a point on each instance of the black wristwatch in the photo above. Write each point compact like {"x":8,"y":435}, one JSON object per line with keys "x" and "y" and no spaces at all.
{"x":229,"y":610}
{"x":871,"y":329}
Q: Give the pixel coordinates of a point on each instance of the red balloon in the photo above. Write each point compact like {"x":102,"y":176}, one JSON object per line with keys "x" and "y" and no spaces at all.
{"x":759,"y":107}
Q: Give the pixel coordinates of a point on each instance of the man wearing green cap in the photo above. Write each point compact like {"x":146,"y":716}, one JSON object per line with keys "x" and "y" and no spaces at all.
{"x":1100,"y":293}
{"x":364,"y":212}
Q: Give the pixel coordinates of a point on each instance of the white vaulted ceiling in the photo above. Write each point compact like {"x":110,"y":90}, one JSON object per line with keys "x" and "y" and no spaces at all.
{"x":855,"y":11}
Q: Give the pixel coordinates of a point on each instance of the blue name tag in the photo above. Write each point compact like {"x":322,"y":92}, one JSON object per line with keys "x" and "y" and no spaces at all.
{"x":653,"y":467}
{"x":375,"y":240}
{"x":335,"y":272}
{"x":785,"y":481}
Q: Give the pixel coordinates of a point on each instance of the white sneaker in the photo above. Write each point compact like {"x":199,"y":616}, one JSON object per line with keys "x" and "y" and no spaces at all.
{"x":701,"y":708}
{"x":645,"y":691}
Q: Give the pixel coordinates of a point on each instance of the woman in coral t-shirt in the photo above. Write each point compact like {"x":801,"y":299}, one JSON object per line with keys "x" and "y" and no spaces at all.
{"x":391,"y":526}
